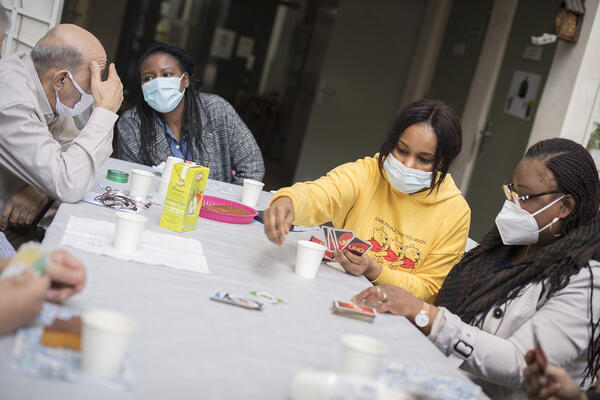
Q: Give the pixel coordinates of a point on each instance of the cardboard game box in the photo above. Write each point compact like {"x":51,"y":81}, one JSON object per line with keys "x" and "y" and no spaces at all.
{"x":184,"y":197}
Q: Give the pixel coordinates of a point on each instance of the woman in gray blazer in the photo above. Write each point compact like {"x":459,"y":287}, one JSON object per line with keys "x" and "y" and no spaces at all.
{"x":173,"y":118}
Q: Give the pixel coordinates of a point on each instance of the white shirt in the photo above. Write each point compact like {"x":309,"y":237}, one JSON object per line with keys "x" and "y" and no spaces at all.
{"x":494,"y":354}
{"x":42,"y":149}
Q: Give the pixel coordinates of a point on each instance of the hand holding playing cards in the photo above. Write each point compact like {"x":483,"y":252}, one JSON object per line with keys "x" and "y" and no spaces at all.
{"x":278,"y":219}
{"x":67,"y":275}
{"x":358,"y":265}
{"x":555,"y":384}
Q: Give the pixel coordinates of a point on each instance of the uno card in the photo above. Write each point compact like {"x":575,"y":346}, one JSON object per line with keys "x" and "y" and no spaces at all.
{"x":358,"y":246}
{"x":329,"y":241}
{"x":236,"y":300}
{"x":268,"y":297}
{"x":540,"y":356}
{"x":342,"y":237}
{"x":353,"y":311}
{"x":328,"y":254}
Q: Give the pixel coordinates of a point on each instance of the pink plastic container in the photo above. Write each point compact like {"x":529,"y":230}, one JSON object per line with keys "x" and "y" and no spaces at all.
{"x":227,"y":218}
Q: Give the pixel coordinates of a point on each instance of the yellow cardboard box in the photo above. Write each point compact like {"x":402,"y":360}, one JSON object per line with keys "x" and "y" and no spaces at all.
{"x":184,"y":197}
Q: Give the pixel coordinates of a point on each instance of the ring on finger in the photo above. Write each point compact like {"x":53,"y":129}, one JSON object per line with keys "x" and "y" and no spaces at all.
{"x":384,"y":297}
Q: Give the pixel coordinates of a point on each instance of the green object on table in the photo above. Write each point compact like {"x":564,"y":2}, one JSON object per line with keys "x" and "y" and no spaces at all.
{"x":117,"y":176}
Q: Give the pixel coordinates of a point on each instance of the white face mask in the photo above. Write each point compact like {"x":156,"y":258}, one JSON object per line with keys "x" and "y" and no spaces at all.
{"x":162,"y":94}
{"x":83,"y":104}
{"x":519,"y":227}
{"x":404,"y":179}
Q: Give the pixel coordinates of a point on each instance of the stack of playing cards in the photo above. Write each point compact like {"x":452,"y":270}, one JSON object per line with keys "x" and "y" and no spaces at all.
{"x":338,"y":239}
{"x":353,"y":311}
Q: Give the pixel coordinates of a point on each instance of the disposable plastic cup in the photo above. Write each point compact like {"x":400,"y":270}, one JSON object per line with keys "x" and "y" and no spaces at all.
{"x":308,"y":258}
{"x":251,"y":192}
{"x":166,"y":175}
{"x":105,"y":337}
{"x":362,"y":355}
{"x":128,"y":231}
{"x":313,"y":384}
{"x":139,"y":183}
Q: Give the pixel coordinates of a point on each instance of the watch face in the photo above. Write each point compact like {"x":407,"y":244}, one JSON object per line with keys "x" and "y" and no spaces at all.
{"x":422,"y":320}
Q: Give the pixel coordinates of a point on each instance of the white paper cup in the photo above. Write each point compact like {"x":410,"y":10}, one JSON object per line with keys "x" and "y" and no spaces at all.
{"x":169,"y":167}
{"x":308,"y":258}
{"x":251,"y":192}
{"x":139,"y":183}
{"x":313,"y":384}
{"x":105,"y":337}
{"x":128,"y":231}
{"x":362,"y":355}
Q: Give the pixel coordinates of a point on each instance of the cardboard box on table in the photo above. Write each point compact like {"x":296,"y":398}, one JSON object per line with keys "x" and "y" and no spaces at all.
{"x":184,"y":197}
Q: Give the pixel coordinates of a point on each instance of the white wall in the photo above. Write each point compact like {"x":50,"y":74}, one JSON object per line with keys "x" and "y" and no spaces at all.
{"x":569,"y":102}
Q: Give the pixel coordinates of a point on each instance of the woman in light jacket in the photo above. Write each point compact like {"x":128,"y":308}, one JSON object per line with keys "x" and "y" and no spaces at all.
{"x":537,"y":267}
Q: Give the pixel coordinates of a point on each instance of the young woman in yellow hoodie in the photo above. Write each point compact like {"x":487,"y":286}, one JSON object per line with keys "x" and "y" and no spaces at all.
{"x":402,"y":200}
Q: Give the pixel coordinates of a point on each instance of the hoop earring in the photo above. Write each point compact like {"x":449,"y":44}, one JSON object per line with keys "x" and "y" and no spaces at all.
{"x":552,"y":232}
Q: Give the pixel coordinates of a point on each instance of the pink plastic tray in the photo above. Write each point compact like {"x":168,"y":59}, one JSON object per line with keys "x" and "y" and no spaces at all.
{"x":222,"y":217}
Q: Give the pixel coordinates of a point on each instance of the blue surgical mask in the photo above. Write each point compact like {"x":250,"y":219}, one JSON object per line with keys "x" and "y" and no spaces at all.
{"x":162,"y":94}
{"x":404,"y":179}
{"x":83,"y":104}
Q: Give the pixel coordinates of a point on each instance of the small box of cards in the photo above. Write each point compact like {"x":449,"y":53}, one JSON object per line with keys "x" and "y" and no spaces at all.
{"x":351,"y":310}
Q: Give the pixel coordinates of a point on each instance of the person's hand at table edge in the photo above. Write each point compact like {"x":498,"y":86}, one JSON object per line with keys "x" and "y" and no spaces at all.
{"x":555,"y":383}
{"x":21,"y":300}
{"x":395,"y":300}
{"x":278,"y":220}
{"x":358,"y":265}
{"x":67,"y":276}
{"x":23,"y":207}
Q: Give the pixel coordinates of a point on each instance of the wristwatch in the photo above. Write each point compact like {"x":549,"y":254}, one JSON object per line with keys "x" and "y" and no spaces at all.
{"x":422,"y":318}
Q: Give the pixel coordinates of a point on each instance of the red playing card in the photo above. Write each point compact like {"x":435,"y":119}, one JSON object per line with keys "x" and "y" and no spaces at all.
{"x":328,"y":254}
{"x":358,"y":246}
{"x":342,"y":237}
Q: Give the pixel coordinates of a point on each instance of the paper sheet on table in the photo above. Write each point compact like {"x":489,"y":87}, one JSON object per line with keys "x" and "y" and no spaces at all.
{"x":96,"y":236}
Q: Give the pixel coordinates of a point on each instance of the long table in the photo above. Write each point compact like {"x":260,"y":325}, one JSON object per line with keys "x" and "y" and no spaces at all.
{"x":188,"y":346}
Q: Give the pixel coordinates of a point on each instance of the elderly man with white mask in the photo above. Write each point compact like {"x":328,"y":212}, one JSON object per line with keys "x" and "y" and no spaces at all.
{"x":42,"y":153}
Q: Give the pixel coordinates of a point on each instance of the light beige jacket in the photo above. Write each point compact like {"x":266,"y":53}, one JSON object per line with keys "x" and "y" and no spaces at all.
{"x":494,"y":353}
{"x":42,"y":149}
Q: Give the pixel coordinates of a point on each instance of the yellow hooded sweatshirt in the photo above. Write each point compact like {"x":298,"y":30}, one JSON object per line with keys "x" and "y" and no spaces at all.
{"x":417,"y":238}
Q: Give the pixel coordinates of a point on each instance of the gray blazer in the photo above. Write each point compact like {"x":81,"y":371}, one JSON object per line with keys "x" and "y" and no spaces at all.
{"x":228,"y":144}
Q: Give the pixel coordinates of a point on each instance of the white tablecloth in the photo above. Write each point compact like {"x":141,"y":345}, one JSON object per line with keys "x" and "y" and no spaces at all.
{"x":189,"y":347}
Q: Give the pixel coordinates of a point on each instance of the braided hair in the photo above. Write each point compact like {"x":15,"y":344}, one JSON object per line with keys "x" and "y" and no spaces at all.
{"x":576,"y":174}
{"x":444,"y":122}
{"x":470,"y":291}
{"x":192,"y":122}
